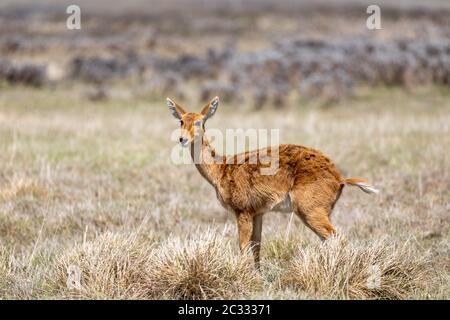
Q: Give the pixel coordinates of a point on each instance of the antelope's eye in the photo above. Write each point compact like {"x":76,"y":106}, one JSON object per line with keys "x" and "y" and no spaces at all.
{"x":181,"y":122}
{"x":198,"y":123}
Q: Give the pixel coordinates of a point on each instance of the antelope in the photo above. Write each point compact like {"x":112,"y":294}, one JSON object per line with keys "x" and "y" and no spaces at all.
{"x":306,"y":182}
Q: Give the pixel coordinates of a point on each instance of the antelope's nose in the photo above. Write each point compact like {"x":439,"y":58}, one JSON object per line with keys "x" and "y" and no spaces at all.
{"x":183,"y":140}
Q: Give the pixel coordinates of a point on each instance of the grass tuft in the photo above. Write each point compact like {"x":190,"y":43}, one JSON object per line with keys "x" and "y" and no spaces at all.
{"x":111,"y":266}
{"x":119,"y":266}
{"x":203,"y":267}
{"x":338,"y":269}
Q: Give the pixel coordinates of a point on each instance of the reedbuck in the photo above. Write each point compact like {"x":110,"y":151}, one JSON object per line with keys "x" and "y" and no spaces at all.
{"x":306,"y":181}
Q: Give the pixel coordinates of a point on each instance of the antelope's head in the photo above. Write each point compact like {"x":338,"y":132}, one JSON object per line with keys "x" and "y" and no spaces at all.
{"x":192,"y":124}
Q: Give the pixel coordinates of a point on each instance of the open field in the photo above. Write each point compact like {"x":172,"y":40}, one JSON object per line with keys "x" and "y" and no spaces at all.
{"x":91,"y":185}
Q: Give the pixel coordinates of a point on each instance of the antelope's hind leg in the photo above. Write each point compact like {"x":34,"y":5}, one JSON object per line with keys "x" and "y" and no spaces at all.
{"x":314,"y":207}
{"x":318,"y":220}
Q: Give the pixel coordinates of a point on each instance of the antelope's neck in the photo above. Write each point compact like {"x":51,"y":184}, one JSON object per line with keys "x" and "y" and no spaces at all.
{"x":207,"y":161}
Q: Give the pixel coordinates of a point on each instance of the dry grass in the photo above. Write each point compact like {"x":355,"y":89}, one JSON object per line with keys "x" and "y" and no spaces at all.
{"x":87,"y":187}
{"x":203,"y":267}
{"x":124,"y":267}
{"x":91,"y":185}
{"x":112,"y":266}
{"x":22,"y":187}
{"x":338,"y":269}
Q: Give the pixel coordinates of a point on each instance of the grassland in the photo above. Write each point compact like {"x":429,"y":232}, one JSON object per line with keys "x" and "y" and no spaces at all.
{"x":90,"y":184}
{"x":92,"y":207}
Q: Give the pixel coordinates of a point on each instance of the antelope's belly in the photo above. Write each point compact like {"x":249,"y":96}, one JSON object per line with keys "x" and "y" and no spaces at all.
{"x":284,"y":205}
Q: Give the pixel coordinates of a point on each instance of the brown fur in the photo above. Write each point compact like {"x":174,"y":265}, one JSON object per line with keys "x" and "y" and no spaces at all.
{"x":306,"y":179}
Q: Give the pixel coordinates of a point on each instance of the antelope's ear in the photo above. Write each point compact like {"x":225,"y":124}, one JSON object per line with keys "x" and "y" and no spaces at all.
{"x":209,"y":110}
{"x":175,"y":109}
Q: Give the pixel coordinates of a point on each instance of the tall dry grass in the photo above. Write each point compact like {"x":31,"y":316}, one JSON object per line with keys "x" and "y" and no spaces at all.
{"x":337,"y":269}
{"x":118,"y":266}
{"x":111,"y":266}
{"x":207,"y":266}
{"x":202,"y":267}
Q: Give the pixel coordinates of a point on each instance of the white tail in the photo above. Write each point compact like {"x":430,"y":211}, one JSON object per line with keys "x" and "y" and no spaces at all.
{"x":362,"y":184}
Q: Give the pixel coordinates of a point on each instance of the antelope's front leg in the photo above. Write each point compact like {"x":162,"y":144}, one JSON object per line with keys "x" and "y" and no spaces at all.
{"x":256,"y":238}
{"x":247,"y":230}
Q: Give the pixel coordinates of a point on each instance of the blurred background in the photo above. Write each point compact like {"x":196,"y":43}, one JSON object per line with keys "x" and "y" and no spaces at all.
{"x":258,"y":52}
{"x":86,"y":178}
